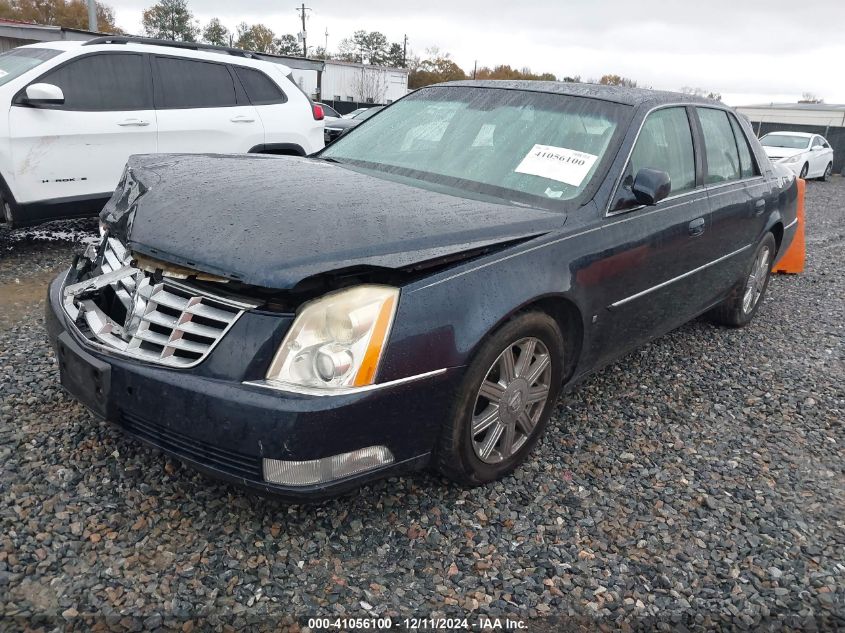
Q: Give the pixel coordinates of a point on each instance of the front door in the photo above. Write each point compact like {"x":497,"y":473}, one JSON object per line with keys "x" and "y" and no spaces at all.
{"x":649,"y":275}
{"x":202,"y":107}
{"x":75,"y":152}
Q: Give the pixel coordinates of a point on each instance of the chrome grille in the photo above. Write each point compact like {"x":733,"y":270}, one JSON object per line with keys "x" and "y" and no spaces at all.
{"x":166,"y":322}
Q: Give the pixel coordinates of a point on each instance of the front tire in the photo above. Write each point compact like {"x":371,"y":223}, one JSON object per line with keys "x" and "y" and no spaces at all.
{"x":741,"y":306}
{"x":504,"y":402}
{"x":804,"y":171}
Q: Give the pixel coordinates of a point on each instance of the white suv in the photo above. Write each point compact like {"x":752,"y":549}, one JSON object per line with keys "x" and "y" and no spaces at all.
{"x":78,"y":110}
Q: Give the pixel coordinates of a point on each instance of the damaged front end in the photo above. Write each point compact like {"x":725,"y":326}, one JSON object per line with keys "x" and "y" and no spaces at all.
{"x":137,"y":310}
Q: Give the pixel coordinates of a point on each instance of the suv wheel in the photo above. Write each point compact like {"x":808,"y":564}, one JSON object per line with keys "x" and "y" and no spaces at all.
{"x":504,"y":402}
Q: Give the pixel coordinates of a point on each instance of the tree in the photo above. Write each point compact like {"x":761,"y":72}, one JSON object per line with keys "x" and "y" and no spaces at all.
{"x":371,"y":85}
{"x":506,"y":72}
{"x":215,"y":33}
{"x":395,"y":56}
{"x":575,"y":79}
{"x":809,"y":97}
{"x":287,"y":44}
{"x":435,"y":70}
{"x":364,"y":47}
{"x":72,"y":14}
{"x":701,"y":92}
{"x":170,"y":20}
{"x":319,"y":52}
{"x":617,"y":80}
{"x":258,"y":38}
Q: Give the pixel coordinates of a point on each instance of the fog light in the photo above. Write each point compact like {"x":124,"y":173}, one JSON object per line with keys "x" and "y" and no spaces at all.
{"x":317,"y":471}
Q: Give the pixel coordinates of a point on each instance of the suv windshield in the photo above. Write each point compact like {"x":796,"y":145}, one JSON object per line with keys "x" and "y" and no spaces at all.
{"x":16,"y":62}
{"x":535,"y":147}
{"x":785,"y":140}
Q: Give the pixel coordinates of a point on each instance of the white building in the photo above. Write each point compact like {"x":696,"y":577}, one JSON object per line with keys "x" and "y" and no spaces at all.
{"x":354,"y":83}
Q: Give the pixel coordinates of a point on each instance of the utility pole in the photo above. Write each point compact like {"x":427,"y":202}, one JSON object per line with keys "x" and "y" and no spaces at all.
{"x":302,"y":13}
{"x":326,"y":47}
{"x":92,"y":15}
{"x":474,"y":68}
{"x":405,"y":52}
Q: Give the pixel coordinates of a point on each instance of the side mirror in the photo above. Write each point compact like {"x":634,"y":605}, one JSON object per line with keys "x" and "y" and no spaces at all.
{"x":815,"y":148}
{"x":651,"y":186}
{"x":44,"y":94}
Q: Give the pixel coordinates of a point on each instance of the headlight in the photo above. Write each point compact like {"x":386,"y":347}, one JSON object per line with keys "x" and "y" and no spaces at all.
{"x":792,"y":159}
{"x":336,"y":341}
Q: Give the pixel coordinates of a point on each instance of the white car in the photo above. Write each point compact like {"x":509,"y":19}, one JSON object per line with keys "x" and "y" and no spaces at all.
{"x":807,"y":155}
{"x":71,"y":113}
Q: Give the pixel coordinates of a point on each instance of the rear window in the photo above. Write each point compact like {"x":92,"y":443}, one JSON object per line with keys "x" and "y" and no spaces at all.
{"x":260,"y":89}
{"x":16,"y":62}
{"x":186,"y":83}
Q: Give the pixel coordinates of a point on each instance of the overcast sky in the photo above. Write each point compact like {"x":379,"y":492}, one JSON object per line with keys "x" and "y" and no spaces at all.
{"x":750,"y":51}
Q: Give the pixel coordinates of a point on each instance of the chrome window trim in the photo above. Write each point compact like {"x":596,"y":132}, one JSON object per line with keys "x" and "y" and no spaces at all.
{"x":663,"y":284}
{"x":705,"y":187}
{"x":343,"y":391}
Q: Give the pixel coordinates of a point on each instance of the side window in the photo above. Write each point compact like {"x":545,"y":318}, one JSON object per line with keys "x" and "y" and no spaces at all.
{"x":817,"y":141}
{"x":746,"y":162}
{"x":185,"y":83}
{"x":104,"y":82}
{"x":720,"y":146}
{"x":665,"y":144}
{"x":260,"y":89}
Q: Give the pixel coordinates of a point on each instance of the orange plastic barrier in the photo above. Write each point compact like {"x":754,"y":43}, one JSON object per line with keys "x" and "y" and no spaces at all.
{"x":792,"y":260}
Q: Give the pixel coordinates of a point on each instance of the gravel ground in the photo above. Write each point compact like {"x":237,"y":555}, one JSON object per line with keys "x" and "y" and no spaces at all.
{"x":698,"y":480}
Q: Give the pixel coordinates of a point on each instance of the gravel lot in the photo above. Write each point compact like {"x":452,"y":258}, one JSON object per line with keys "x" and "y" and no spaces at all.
{"x":699,"y":480}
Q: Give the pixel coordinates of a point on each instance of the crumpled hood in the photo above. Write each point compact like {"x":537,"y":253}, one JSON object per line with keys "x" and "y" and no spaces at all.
{"x":273,"y":221}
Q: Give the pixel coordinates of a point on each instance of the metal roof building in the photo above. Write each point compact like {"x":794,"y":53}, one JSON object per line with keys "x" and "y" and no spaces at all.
{"x":827,"y":119}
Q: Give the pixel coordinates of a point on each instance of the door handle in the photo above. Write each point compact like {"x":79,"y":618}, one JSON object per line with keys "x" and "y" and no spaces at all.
{"x":759,"y":206}
{"x":133,"y":123}
{"x":241,"y":119}
{"x":696,"y":227}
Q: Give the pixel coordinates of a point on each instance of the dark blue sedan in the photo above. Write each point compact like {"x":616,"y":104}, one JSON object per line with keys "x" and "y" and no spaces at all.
{"x":418,"y":293}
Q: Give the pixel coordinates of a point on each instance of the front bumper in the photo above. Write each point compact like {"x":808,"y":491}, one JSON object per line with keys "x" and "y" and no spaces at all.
{"x":226,"y":428}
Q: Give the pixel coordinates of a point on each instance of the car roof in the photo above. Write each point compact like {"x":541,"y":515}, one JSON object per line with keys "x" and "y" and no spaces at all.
{"x":191,"y":53}
{"x":617,"y":94}
{"x":788,"y":133}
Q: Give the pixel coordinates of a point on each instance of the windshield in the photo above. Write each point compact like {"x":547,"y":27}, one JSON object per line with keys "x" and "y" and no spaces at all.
{"x":785,"y":140}
{"x":16,"y":62}
{"x":516,"y":145}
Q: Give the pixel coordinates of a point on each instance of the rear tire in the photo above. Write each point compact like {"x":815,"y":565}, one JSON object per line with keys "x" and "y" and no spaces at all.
{"x":504,"y":402}
{"x":745,"y":299}
{"x":826,"y":175}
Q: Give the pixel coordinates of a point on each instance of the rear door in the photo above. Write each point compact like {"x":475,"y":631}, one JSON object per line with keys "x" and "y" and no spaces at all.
{"x":738,"y":195}
{"x":201,"y":107}
{"x":77,"y":150}
{"x":649,"y":271}
{"x":278,"y":114}
{"x":820,"y":156}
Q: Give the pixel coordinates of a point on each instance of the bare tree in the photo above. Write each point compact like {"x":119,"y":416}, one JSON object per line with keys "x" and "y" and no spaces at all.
{"x":809,"y":97}
{"x":371,"y":85}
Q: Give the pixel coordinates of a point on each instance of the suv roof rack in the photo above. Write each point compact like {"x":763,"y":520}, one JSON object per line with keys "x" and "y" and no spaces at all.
{"x":151,"y":41}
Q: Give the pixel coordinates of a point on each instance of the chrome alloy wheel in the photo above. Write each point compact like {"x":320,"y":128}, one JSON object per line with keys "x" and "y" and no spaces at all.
{"x":756,"y":281}
{"x":511,"y":400}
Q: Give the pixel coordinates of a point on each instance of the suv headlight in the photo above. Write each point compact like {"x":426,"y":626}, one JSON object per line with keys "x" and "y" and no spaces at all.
{"x":336,"y":341}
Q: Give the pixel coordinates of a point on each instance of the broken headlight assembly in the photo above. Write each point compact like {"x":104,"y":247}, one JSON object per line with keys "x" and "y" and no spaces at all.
{"x":336,"y":341}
